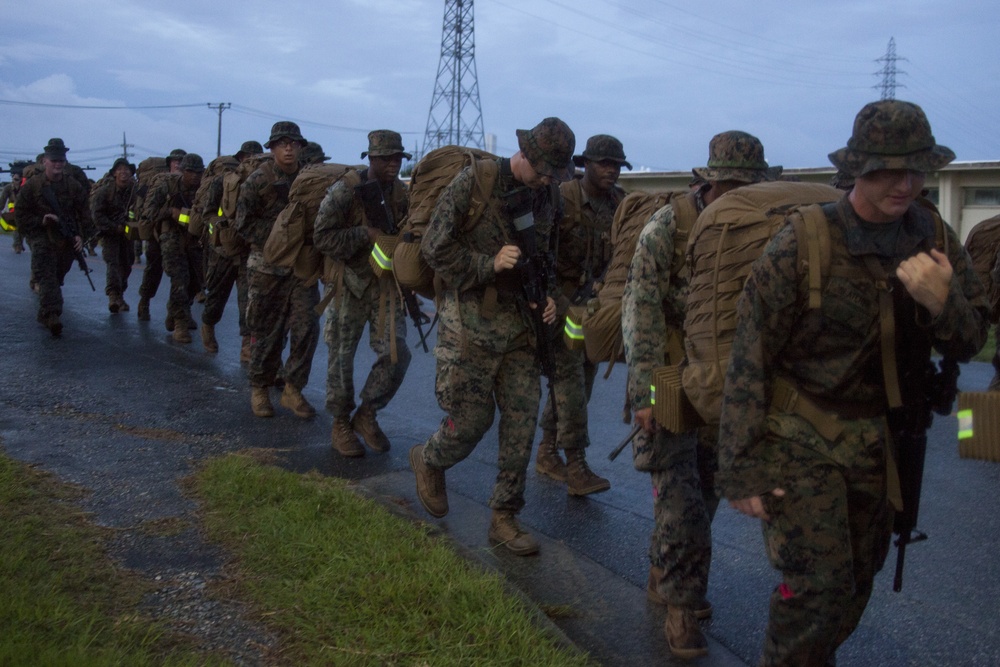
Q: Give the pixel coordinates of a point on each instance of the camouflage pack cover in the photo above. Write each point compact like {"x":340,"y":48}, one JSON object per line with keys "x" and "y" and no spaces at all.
{"x":726,"y":239}
{"x":982,"y":244}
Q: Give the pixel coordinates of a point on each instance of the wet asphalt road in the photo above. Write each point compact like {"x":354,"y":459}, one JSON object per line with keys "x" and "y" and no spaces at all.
{"x":118,"y":408}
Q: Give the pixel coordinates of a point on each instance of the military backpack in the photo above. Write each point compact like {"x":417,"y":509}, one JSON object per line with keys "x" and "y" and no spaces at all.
{"x":982,"y":244}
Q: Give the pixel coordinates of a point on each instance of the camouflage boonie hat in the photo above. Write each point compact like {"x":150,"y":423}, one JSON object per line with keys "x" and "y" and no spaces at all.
{"x":549,"y":147}
{"x":55,"y":148}
{"x":736,"y":156}
{"x":382,"y":143}
{"x":891,"y":134}
{"x":285,"y":129}
{"x":313,"y":154}
{"x":249,"y":148}
{"x":176,"y":155}
{"x":122,"y":162}
{"x":192,"y":162}
{"x":602,"y":147}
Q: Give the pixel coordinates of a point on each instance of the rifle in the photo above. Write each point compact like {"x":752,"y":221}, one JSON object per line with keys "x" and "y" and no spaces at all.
{"x":379,"y":214}
{"x":530,"y":272}
{"x":936,"y":393}
{"x":69,"y":229}
{"x":624,"y":443}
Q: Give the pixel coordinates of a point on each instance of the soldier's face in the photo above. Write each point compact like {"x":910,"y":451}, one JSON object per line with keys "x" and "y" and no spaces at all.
{"x":191,"y":178}
{"x":602,"y":175}
{"x":885,"y":194}
{"x":384,"y":168}
{"x":286,"y":154}
{"x":54,"y":166}
{"x":526,"y":173}
{"x":122,"y":176}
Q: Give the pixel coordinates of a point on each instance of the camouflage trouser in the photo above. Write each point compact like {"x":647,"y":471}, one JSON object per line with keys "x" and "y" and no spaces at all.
{"x":180,"y":261}
{"x":346,"y":317}
{"x":684,"y":504}
{"x":223,"y":273}
{"x":468,"y":382}
{"x":278,"y":306}
{"x":153,"y":272}
{"x":50,"y":262}
{"x":18,"y":239}
{"x":118,"y":255}
{"x":573,"y":385}
{"x":828,"y":536}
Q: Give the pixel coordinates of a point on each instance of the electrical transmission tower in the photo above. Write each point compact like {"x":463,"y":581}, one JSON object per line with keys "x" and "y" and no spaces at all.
{"x":455,"y":116}
{"x":889,"y":72}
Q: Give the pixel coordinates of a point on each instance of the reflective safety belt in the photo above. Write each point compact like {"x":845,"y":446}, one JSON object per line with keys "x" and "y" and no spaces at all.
{"x":573,"y":329}
{"x":383,"y":260}
{"x":183,"y":218}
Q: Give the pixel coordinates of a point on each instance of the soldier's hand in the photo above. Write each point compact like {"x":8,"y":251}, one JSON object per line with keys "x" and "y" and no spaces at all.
{"x":50,"y":219}
{"x":506,"y":258}
{"x":754,"y":506}
{"x":644,"y":418}
{"x":175,"y":213}
{"x":549,"y":314}
{"x":927,"y":278}
{"x":373,"y":235}
{"x":77,"y":244}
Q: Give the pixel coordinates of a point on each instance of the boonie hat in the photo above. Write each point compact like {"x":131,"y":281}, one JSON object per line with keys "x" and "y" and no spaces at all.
{"x":549,"y":147}
{"x":249,"y":148}
{"x":382,"y":143}
{"x":891,"y":134}
{"x":602,"y":147}
{"x":176,"y":155}
{"x":313,"y":154}
{"x":285,"y":129}
{"x":55,"y":148}
{"x":736,"y":156}
{"x":192,"y":162}
{"x":122,"y":162}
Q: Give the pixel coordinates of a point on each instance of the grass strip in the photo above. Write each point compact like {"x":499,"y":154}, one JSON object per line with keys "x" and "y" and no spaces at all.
{"x":63,"y":601}
{"x":343,"y":581}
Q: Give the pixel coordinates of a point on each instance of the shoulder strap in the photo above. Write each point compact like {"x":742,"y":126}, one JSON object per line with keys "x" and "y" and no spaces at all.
{"x":810,"y":224}
{"x":484,"y":176}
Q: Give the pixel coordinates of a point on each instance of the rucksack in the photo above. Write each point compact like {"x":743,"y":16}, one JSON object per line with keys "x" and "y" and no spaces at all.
{"x":199,"y":217}
{"x":146,"y":172}
{"x":290,"y":243}
{"x":149,"y":218}
{"x":429,"y":178}
{"x":225,"y":239}
{"x":982,"y":244}
{"x":600,"y":321}
{"x":728,"y":236}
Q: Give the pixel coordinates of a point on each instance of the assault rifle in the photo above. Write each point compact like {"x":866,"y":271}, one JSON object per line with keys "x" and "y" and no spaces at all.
{"x":69,"y":228}
{"x":531,"y":271}
{"x":935,"y":392}
{"x":379,"y":214}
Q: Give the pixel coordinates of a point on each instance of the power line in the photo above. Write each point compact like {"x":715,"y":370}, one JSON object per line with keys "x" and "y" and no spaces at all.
{"x":87,"y":106}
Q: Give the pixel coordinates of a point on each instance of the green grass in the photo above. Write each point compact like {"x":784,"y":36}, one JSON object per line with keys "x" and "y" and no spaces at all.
{"x":986,"y":354}
{"x":63,"y":602}
{"x":343,"y":581}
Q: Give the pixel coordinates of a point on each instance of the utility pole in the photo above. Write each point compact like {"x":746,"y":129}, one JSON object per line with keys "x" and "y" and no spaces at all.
{"x":889,"y":72}
{"x":221,"y":106}
{"x":457,"y":83}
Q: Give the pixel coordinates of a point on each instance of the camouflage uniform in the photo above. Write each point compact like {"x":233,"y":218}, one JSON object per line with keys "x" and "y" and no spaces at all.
{"x":583,"y":250}
{"x":341,"y":233}
{"x":829,"y":534}
{"x":278,"y":304}
{"x":153,"y":273}
{"x":485,"y":348}
{"x":682,"y":466}
{"x":52,"y":255}
{"x":181,"y":257}
{"x":223,"y":272}
{"x":8,"y":199}
{"x":110,"y":209}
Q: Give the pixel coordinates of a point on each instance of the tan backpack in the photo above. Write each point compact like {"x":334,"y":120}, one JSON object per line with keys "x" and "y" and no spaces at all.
{"x":600,"y":321}
{"x":290,"y":243}
{"x":200,"y":218}
{"x":729,"y":235}
{"x":430,"y":176}
{"x":225,"y":239}
{"x":145,"y":172}
{"x":982,"y":244}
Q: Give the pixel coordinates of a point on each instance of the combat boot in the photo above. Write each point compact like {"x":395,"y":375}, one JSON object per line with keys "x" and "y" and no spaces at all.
{"x":547,"y":461}
{"x":208,"y":338}
{"x":260,"y":402}
{"x":580,"y":479}
{"x":344,"y":440}
{"x":995,"y":382}
{"x":181,"y":335}
{"x":702,"y":610}
{"x":122,"y":305}
{"x":143,"y":314}
{"x":53,"y":324}
{"x":684,"y":637}
{"x":293,"y":399}
{"x":245,"y":348}
{"x":507,"y":532}
{"x":18,"y":249}
{"x":113,"y":302}
{"x":431,"y":488}
{"x":366,"y":425}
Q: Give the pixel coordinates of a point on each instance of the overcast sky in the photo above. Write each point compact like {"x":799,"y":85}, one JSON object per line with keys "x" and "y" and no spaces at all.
{"x":663,"y":76}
